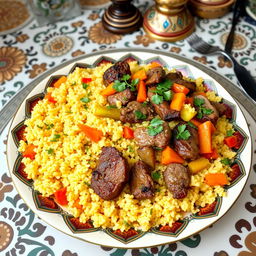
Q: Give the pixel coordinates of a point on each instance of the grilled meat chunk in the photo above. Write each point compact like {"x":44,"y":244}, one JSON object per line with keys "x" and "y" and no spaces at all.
{"x":186,"y":148}
{"x":213,"y":116}
{"x":124,"y":97}
{"x":174,"y":76}
{"x":116,"y":72}
{"x":141,"y":184}
{"x":136,"y":112}
{"x":161,"y":140}
{"x":111,"y":174}
{"x":177,"y":180}
{"x":155,"y":75}
{"x":163,"y":109}
{"x":189,"y":84}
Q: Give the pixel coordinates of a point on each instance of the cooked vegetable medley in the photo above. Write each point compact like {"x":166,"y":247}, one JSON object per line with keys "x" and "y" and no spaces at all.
{"x":129,"y":145}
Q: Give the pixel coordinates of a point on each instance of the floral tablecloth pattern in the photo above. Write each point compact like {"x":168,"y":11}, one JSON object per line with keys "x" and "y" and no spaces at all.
{"x":27,"y":53}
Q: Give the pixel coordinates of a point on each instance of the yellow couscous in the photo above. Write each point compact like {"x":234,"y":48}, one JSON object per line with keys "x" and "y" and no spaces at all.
{"x":65,"y":157}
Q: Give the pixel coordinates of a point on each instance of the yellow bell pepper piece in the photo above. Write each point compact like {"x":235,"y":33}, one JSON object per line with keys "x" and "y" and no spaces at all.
{"x":187,"y":112}
{"x":198,"y":165}
{"x":103,"y":111}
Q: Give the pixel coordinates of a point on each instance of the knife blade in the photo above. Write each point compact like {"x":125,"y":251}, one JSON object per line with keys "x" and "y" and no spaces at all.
{"x":238,"y":11}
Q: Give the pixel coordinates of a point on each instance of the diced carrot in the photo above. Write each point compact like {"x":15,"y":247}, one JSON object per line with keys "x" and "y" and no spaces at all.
{"x":49,"y":97}
{"x":178,"y":101}
{"x":140,"y":74}
{"x":195,"y":122}
{"x":29,"y":152}
{"x":86,"y":80}
{"x":205,"y":137}
{"x":61,"y":196}
{"x":77,"y":204}
{"x":216,"y":179}
{"x":213,"y":155}
{"x":231,"y":141}
{"x":154,"y":64}
{"x":142,"y":92}
{"x":109,"y":90}
{"x":200,"y":93}
{"x":60,"y":81}
{"x":128,"y":133}
{"x":93,"y":134}
{"x":170,"y":156}
{"x":189,"y":101}
{"x":180,"y":88}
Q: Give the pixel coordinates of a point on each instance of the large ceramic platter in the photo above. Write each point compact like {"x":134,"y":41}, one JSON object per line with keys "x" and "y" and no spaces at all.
{"x":58,"y":218}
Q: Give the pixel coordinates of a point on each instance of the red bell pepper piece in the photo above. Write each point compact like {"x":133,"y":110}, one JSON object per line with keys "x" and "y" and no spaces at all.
{"x":128,"y":133}
{"x":86,"y":80}
{"x":29,"y":152}
{"x":61,"y":196}
{"x":231,"y":141}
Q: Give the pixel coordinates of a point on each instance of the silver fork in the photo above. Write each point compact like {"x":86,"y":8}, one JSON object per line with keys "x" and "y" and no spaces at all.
{"x":243,"y":75}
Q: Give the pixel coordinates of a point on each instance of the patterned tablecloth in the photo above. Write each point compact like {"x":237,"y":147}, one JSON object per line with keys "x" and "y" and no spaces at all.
{"x":28,"y":52}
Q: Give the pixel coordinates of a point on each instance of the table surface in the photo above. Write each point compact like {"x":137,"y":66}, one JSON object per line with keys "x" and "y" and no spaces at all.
{"x":33,"y":50}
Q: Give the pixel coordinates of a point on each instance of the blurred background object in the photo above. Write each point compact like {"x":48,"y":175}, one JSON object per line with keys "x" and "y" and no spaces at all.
{"x":122,"y":17}
{"x":50,"y":11}
{"x":210,"y":9}
{"x":168,"y":20}
{"x":94,"y":4}
{"x":251,"y":8}
{"x":14,"y":14}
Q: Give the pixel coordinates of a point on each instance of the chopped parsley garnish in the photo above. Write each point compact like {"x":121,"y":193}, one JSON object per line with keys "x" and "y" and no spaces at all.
{"x":130,"y":148}
{"x":85,"y":99}
{"x":50,"y":151}
{"x":144,"y":104}
{"x":85,"y":85}
{"x":73,"y":84}
{"x":201,"y":109}
{"x":126,"y":223}
{"x":191,"y":125}
{"x":139,"y":115}
{"x":198,"y":102}
{"x":229,"y":133}
{"x":87,"y":183}
{"x":156,"y":175}
{"x":151,"y":211}
{"x":225,"y":161}
{"x":157,"y":148}
{"x":155,"y":126}
{"x":111,"y":106}
{"x":163,"y":92}
{"x":182,"y":134}
{"x":49,"y":126}
{"x":121,"y":85}
{"x":40,"y":127}
{"x":167,"y":95}
{"x":157,"y":99}
{"x":55,"y":137}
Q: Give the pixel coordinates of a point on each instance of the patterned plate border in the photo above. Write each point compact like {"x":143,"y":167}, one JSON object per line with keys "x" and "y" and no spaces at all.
{"x":128,"y":56}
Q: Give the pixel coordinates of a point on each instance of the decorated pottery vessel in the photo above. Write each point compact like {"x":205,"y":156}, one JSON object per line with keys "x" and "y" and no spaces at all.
{"x":168,"y":20}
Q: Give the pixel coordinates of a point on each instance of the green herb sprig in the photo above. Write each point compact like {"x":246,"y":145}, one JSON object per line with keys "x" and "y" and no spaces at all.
{"x":201,"y":109}
{"x":163,"y":92}
{"x":183,"y":133}
{"x":123,"y":83}
{"x":139,"y":115}
{"x":155,"y":126}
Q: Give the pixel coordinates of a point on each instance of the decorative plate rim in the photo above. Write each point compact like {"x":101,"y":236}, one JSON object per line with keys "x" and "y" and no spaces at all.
{"x":124,"y":53}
